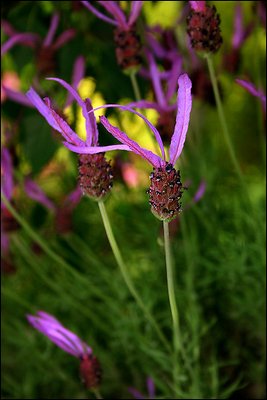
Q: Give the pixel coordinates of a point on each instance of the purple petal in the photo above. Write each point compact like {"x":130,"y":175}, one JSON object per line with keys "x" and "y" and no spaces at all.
{"x":200,"y":191}
{"x":98,"y":13}
{"x":93,"y":137}
{"x":90,"y":127}
{"x":184,"y":104}
{"x":17,"y":97}
{"x":7,"y":182}
{"x":136,"y":394}
{"x":238,"y":27}
{"x":58,"y":334}
{"x":36,"y":193}
{"x":136,"y":7}
{"x":95,"y":149}
{"x":5,"y":242}
{"x":198,"y":6}
{"x":154,"y":130}
{"x":73,"y":198}
{"x":122,"y":137}
{"x":77,"y":75}
{"x":251,"y":89}
{"x":65,"y":37}
{"x":52,"y":30}
{"x":53,"y":118}
{"x":8,"y":28}
{"x":172,"y":80}
{"x":150,"y":387}
{"x":28,"y":39}
{"x":154,"y":74}
{"x":113,"y":8}
{"x":145,"y":104}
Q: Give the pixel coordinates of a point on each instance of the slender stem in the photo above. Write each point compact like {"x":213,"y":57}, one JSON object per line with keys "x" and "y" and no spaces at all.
{"x":97,"y":393}
{"x":135,"y":86}
{"x":222,"y":116}
{"x":171,"y":292}
{"x":125,"y":274}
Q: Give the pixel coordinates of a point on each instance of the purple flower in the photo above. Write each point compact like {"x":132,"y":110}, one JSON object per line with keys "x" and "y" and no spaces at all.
{"x":58,"y":334}
{"x":69,"y":342}
{"x":95,"y":175}
{"x":72,"y":141}
{"x":118,"y":17}
{"x":45,"y":48}
{"x":166,"y":187}
{"x":35,"y":192}
{"x":128,"y":42}
{"x":150,"y":390}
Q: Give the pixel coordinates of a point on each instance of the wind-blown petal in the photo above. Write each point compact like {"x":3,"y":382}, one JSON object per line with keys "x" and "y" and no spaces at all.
{"x":99,"y":14}
{"x":154,"y":75}
{"x":184,"y":104}
{"x":145,"y":104}
{"x":53,"y":118}
{"x":122,"y":137}
{"x":251,"y":89}
{"x":88,"y":122}
{"x":93,"y":137}
{"x":135,"y":11}
{"x":52,"y":30}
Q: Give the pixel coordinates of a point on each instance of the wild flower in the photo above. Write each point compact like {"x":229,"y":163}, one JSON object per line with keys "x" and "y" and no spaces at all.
{"x":95,"y":174}
{"x":166,"y":188}
{"x":128,"y":50}
{"x":45,"y":48}
{"x":69,"y":342}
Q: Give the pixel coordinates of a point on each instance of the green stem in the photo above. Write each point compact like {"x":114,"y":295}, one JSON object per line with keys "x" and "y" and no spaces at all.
{"x":171,"y":292}
{"x":222,"y":116}
{"x":124,"y":272}
{"x":97,"y":394}
{"x":136,"y":90}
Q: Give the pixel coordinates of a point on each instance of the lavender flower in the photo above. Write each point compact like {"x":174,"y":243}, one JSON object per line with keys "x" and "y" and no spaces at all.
{"x":128,"y":50}
{"x":150,"y":390}
{"x":70,"y":343}
{"x":203,"y":27}
{"x":166,"y":188}
{"x":95,"y":175}
{"x":45,"y":48}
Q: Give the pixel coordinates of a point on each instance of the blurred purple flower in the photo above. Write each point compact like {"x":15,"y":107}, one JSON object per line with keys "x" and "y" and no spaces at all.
{"x":250,"y":87}
{"x":118,"y":16}
{"x":36,"y":193}
{"x":7,"y":182}
{"x":45,"y":48}
{"x":150,"y":390}
{"x":58,"y":334}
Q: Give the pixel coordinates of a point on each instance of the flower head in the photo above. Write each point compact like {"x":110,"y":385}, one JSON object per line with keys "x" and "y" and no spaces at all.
{"x":166,"y":187}
{"x":94,"y":171}
{"x":203,"y":27}
{"x":128,"y":43}
{"x":70,"y":343}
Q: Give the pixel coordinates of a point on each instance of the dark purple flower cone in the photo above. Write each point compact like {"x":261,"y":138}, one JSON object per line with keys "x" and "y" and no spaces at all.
{"x":95,"y":175}
{"x":165,"y":192}
{"x":90,"y":371}
{"x":128,"y":48}
{"x":204,"y":30}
